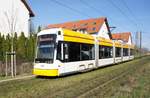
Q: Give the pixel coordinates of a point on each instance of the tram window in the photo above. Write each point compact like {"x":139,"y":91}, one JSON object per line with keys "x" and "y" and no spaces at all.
{"x":92,"y":52}
{"x":59,"y":51}
{"x":108,"y":52}
{"x":105,"y":52}
{"x":85,"y":54}
{"x":111,"y":52}
{"x":65,"y":52}
{"x":62,"y":52}
{"x":125,"y":52}
{"x":118,"y":52}
{"x":101,"y":52}
{"x":74,"y":51}
{"x":131,"y":52}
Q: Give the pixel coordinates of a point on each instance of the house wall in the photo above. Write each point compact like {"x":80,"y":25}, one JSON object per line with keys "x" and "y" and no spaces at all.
{"x":129,"y":41}
{"x":14,"y":12}
{"x":103,"y":32}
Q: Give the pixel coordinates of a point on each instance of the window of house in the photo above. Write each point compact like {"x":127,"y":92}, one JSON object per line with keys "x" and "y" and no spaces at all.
{"x":94,"y":23}
{"x":93,"y":28}
{"x":85,"y":24}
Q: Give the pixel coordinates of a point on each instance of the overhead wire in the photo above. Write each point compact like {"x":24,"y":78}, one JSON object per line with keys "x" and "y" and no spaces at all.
{"x":92,"y":7}
{"x":122,"y":12}
{"x":73,"y":9}
{"x":139,"y":25}
{"x":95,"y":9}
{"x":133,"y":15}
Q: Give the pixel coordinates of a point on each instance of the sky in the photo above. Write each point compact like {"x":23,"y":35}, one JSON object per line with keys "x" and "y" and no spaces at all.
{"x":126,"y":15}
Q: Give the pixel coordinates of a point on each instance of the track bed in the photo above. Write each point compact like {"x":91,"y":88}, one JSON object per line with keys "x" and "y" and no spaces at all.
{"x":130,"y":79}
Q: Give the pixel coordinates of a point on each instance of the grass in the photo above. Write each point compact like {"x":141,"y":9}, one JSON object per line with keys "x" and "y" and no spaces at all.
{"x":3,"y":77}
{"x":75,"y":85}
{"x":136,"y":84}
{"x":9,"y":77}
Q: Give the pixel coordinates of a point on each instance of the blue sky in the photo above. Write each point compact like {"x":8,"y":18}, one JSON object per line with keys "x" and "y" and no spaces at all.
{"x":125,"y":15}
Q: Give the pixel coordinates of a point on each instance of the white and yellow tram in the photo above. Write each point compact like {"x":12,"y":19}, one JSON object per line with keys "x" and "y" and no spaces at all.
{"x":61,"y":51}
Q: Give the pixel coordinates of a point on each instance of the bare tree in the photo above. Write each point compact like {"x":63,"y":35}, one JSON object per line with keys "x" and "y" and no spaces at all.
{"x":11,"y":18}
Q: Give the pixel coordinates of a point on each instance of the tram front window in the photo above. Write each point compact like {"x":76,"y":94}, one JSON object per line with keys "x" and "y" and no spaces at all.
{"x":45,"y":49}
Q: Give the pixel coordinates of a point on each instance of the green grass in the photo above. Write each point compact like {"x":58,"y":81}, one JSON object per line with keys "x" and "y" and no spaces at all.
{"x":136,"y":84}
{"x":75,"y":85}
{"x":9,"y":77}
{"x":3,"y":77}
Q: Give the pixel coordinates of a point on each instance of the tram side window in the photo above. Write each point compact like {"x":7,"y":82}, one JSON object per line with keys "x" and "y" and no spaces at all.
{"x":118,"y":52}
{"x":62,"y":51}
{"x":74,"y":51}
{"x":92,"y":52}
{"x":59,"y":51}
{"x":125,"y":52}
{"x":132,"y":52}
{"x":108,"y":52}
{"x":101,"y":52}
{"x":105,"y":52}
{"x":80,"y":52}
{"x":85,"y":54}
{"x":65,"y":52}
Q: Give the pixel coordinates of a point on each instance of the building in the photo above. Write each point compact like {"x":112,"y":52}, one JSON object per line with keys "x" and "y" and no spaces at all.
{"x":15,"y":16}
{"x":124,"y":37}
{"x":95,"y":26}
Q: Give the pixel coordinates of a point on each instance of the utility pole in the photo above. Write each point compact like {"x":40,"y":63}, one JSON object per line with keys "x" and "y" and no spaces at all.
{"x":136,"y":43}
{"x":139,"y":42}
{"x":140,"y":36}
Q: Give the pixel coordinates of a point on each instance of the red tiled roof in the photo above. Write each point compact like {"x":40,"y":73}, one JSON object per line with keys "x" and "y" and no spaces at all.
{"x":28,"y":7}
{"x":90,"y":25}
{"x":121,"y":36}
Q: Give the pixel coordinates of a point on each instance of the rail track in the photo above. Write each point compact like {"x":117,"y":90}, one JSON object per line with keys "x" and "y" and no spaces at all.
{"x":90,"y":85}
{"x":102,"y":85}
{"x":84,"y":95}
{"x":75,"y":86}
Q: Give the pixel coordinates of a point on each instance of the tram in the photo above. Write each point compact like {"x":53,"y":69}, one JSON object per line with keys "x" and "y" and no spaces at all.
{"x":61,"y":51}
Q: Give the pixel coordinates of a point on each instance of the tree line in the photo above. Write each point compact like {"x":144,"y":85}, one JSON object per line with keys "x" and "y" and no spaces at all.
{"x":23,"y":46}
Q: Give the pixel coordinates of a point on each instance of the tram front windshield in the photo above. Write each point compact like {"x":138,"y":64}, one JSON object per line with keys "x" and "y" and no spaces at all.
{"x":45,"y":48}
